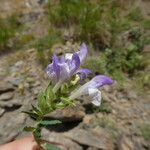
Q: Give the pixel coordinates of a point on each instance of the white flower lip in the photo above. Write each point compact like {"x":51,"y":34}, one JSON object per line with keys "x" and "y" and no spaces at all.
{"x":95,"y":94}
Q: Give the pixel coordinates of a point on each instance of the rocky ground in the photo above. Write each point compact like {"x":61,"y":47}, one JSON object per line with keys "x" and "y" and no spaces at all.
{"x":122,"y":122}
{"x":115,"y":126}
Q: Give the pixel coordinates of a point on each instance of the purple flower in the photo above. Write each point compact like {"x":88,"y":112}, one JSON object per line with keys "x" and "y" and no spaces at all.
{"x":82,"y":52}
{"x":91,"y":89}
{"x":83,"y":73}
{"x":64,"y":68}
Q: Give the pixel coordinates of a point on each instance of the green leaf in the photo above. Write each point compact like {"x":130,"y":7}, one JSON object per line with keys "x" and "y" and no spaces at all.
{"x":50,"y":95}
{"x":31,"y":114}
{"x":51,"y":147}
{"x":36,"y":110}
{"x":28,"y":129}
{"x":67,"y":101}
{"x":42,"y":103}
{"x":64,"y":88}
{"x":50,"y":122}
{"x":37,"y":133}
{"x":41,"y":98}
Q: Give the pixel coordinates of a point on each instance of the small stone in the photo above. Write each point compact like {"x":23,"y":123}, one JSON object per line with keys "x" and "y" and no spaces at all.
{"x":42,"y":2}
{"x":5,"y":87}
{"x":146,"y":48}
{"x":37,"y":83}
{"x":132,"y":95}
{"x":88,"y":119}
{"x":2,"y":111}
{"x":97,"y":138}
{"x":92,"y":148}
{"x":6,"y":96}
{"x":121,"y":96}
{"x":16,"y":81}
{"x":19,"y":63}
{"x":36,"y":91}
{"x":16,"y":103}
{"x":125,"y":143}
{"x":26,"y":85}
{"x":141,"y":144}
{"x":32,"y":50}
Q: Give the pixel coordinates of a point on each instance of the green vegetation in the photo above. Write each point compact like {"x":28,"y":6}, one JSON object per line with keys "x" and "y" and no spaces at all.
{"x":13,"y":35}
{"x":94,"y":22}
{"x":135,"y":14}
{"x":142,"y":81}
{"x":105,"y":108}
{"x":96,"y":64}
{"x":45,"y":43}
{"x":24,"y":39}
{"x":146,"y":23}
{"x":118,"y":39}
{"x":145,"y":131}
{"x":105,"y":122}
{"x":119,"y":60}
{"x":8,"y":29}
{"x":125,"y":59}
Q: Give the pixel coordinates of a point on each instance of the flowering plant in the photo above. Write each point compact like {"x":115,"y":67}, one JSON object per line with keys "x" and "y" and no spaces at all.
{"x":65,"y":75}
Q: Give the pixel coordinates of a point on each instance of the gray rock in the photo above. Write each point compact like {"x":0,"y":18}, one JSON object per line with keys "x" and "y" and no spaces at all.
{"x":6,"y":96}
{"x":5,"y":87}
{"x":15,"y":103}
{"x":125,"y":143}
{"x":132,"y":95}
{"x":64,"y":142}
{"x":36,"y":91}
{"x":16,"y":67}
{"x":2,"y":111}
{"x":68,"y":114}
{"x":92,"y":148}
{"x":96,"y":138}
{"x":140,"y":144}
{"x":10,"y":124}
{"x":16,"y":81}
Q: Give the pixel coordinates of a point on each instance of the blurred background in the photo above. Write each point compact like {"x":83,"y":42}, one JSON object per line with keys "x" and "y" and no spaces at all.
{"x":117,"y":34}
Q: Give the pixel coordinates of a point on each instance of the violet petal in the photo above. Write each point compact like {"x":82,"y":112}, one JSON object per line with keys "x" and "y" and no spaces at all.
{"x":101,"y":80}
{"x":82,"y":52}
{"x":56,"y":67}
{"x":83,"y":73}
{"x":74,"y":64}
